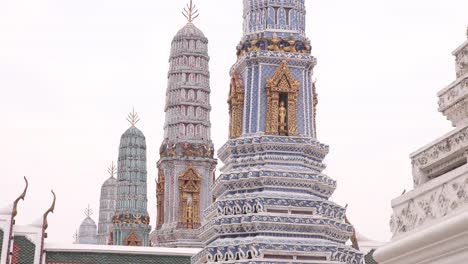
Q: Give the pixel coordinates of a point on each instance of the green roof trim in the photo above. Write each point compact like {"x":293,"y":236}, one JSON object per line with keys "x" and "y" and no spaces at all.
{"x":369,"y":258}
{"x":112,"y":258}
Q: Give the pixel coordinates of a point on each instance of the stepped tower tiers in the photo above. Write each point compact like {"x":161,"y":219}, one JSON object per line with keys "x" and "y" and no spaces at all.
{"x":107,"y":207}
{"x":87,"y":233}
{"x":186,"y":166}
{"x":272,"y":199}
{"x":131,"y":220}
{"x":430,"y":223}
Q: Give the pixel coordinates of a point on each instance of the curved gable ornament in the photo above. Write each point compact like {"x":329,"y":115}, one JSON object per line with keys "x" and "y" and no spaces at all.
{"x":133,"y":239}
{"x":189,"y":186}
{"x":282,"y":93}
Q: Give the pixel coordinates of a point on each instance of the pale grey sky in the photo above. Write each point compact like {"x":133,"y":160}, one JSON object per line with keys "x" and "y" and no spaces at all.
{"x":70,"y":71}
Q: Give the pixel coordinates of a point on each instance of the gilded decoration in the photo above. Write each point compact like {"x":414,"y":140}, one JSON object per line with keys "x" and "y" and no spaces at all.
{"x":274,"y":43}
{"x":137,"y":219}
{"x":189,"y":189}
{"x":186,"y":149}
{"x":160,"y":198}
{"x":282,"y":92}
{"x":133,"y":240}
{"x":236,"y":106}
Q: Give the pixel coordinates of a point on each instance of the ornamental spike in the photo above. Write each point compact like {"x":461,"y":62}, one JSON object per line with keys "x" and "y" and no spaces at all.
{"x":112,"y":170}
{"x":133,"y":118}
{"x":190,"y":12}
{"x":88,"y":211}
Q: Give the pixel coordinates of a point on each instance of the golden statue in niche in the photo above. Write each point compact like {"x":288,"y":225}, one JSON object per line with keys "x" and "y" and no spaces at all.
{"x":189,"y":187}
{"x":282,"y":92}
{"x":282,"y":119}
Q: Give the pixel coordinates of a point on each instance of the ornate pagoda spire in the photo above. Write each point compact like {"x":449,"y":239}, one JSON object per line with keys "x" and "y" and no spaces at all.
{"x":272,"y":201}
{"x":87,"y":233}
{"x":131,"y":220}
{"x":107,"y":206}
{"x":186,"y":166}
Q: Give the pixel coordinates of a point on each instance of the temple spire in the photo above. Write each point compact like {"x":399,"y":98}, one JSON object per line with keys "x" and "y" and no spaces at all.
{"x":88,"y":211}
{"x":112,"y":170}
{"x":190,"y":12}
{"x":133,"y":118}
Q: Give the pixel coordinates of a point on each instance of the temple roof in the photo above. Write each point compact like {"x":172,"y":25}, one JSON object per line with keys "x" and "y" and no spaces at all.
{"x":189,"y":31}
{"x":133,"y":131}
{"x":110,"y":182}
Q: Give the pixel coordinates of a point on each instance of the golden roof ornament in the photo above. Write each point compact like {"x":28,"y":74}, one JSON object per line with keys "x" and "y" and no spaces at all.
{"x":190,"y":12}
{"x":133,"y":118}
{"x":112,"y":170}
{"x":21,"y":197}
{"x":45,"y":224}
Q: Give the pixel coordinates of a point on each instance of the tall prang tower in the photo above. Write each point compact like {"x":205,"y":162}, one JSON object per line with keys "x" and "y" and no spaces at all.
{"x":186,"y":166}
{"x":272,"y":199}
{"x":107,"y":207}
{"x":131,"y":220}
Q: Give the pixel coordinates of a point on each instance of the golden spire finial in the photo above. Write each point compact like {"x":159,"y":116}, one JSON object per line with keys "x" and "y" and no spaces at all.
{"x":133,"y":118}
{"x":112,"y":170}
{"x":190,"y":12}
{"x":88,"y":211}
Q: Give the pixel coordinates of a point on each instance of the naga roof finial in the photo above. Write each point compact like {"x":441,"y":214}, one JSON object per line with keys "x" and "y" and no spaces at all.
{"x":88,"y":211}
{"x":112,"y":170}
{"x":133,"y":118}
{"x":21,"y":197}
{"x":190,"y":12}
{"x":45,"y":224}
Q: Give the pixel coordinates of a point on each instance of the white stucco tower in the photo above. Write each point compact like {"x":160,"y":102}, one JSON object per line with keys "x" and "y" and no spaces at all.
{"x":186,"y":165}
{"x":430,"y":223}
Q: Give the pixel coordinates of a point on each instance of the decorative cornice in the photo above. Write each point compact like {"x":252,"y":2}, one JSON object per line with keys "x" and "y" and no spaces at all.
{"x":431,"y":202}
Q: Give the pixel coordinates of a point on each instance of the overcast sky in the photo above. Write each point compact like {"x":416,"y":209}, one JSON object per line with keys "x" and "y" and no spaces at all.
{"x":70,"y":71}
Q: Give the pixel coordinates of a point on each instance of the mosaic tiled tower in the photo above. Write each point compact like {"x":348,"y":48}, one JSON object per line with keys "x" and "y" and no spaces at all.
{"x":272,"y":200}
{"x":131,"y":219}
{"x":186,"y":166}
{"x":107,"y":207}
{"x":87,"y":233}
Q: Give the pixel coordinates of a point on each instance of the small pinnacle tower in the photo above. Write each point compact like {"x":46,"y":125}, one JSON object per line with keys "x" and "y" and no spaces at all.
{"x":131,"y":220}
{"x":107,"y":206}
{"x":272,"y":199}
{"x":186,"y":166}
{"x":87,"y":233}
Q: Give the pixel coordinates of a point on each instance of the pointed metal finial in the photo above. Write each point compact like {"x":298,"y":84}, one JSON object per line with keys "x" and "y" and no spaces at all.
{"x":133,"y":118}
{"x":76,"y":236}
{"x":190,"y":12}
{"x":88,"y":211}
{"x":112,"y":170}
